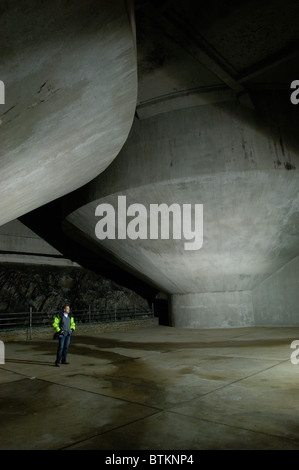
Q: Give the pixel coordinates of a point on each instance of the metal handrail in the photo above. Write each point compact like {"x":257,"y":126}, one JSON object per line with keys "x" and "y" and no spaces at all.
{"x":30,"y":319}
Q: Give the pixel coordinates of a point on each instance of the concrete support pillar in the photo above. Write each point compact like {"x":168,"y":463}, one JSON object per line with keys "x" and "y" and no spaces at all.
{"x":212,"y":310}
{"x":275,"y":301}
{"x":236,"y":164}
{"x":70,"y":75}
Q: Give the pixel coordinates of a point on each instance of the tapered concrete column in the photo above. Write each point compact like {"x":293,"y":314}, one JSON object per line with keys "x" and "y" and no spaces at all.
{"x":242,"y":166}
{"x":212,"y":310}
{"x":70,"y":76}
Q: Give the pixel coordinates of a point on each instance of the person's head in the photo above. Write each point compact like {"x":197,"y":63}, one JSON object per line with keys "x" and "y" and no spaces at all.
{"x":66,"y":308}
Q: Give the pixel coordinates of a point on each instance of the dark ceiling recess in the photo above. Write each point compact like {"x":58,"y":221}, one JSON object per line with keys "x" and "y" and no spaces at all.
{"x":47,"y":223}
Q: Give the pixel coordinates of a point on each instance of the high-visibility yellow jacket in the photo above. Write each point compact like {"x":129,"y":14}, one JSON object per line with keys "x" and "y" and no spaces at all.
{"x":57,"y":320}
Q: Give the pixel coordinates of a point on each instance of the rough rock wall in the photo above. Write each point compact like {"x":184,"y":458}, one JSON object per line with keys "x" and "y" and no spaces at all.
{"x":50,"y":287}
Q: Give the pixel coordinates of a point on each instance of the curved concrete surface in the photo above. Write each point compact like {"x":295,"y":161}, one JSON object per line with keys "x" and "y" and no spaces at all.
{"x":70,"y":80}
{"x":242,"y":166}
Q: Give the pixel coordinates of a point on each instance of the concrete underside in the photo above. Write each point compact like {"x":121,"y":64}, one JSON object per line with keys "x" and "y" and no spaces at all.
{"x":155,"y":388}
{"x":242,"y":166}
{"x":71,"y":91}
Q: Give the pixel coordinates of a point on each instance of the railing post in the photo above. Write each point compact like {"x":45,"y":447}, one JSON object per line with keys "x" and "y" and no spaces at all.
{"x":30,"y":323}
{"x":30,"y":318}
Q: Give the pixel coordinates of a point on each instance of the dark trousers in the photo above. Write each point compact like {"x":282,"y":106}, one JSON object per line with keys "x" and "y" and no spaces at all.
{"x":63,"y":347}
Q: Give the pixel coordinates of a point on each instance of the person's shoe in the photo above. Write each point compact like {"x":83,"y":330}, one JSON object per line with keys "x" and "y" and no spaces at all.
{"x":65,"y":362}
{"x":57,"y":364}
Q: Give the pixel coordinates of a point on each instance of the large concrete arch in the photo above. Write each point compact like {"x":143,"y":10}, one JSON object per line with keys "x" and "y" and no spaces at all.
{"x":214,"y":125}
{"x":70,"y":78}
{"x":242,"y":165}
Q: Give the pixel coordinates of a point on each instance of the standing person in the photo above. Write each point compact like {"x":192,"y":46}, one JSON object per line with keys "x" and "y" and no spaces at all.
{"x":64,"y":324}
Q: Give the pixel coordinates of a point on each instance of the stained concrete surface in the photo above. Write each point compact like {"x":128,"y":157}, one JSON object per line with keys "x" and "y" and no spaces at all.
{"x":223,"y":157}
{"x":70,"y":79}
{"x":155,"y":388}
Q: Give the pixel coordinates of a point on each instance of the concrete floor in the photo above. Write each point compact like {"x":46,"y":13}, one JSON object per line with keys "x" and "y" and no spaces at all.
{"x":156,"y":388}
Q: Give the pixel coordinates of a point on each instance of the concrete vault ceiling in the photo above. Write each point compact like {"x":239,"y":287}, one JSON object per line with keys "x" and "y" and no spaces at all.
{"x":207,"y":51}
{"x":213,"y":124}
